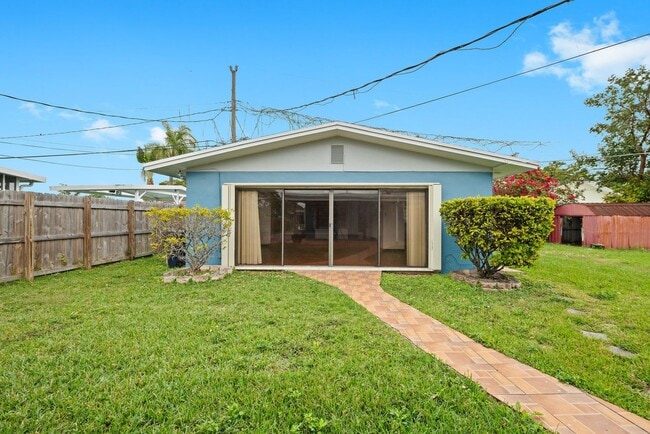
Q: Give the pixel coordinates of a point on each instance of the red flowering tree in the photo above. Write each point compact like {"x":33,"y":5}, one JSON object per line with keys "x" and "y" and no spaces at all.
{"x":535,"y":183}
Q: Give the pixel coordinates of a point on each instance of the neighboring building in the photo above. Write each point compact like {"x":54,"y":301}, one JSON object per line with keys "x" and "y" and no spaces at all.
{"x":592,"y":193}
{"x":610,"y":225}
{"x":338,"y":195}
{"x":139,"y":193}
{"x":16,"y":180}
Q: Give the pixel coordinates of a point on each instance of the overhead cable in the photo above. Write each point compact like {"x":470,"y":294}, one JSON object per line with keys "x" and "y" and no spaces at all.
{"x":83,"y":166}
{"x":489,"y":83}
{"x":85,"y":154}
{"x":72,"y":154}
{"x":413,"y":68}
{"x":90,"y":112}
{"x":220,"y":110}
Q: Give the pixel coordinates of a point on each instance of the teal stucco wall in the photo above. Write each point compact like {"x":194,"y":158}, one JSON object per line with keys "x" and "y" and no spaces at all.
{"x":204,"y":189}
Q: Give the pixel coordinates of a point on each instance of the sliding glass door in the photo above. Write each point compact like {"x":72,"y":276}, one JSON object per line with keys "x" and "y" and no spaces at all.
{"x":338,"y":227}
{"x":356,"y":227}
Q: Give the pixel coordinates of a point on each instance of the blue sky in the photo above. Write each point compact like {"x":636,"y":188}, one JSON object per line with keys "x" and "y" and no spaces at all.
{"x":154,"y":60}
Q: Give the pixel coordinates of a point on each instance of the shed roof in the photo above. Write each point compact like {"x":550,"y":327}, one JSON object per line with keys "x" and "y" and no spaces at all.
{"x":500,"y":165}
{"x":604,"y":209}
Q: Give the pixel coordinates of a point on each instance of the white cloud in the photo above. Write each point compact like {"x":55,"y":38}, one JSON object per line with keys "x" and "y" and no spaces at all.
{"x":103,"y":130}
{"x":73,"y":116}
{"x":381,"y":105}
{"x":157,"y":134}
{"x":591,"y":71}
{"x":34,"y":109}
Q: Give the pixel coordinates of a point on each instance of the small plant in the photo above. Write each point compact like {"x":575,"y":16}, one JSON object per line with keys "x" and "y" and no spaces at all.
{"x":498,"y":231}
{"x":310,"y":424}
{"x":194,"y":234}
{"x":234,"y":420}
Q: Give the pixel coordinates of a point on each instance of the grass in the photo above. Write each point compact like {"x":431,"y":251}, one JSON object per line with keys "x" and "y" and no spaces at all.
{"x":610,"y":289}
{"x":114,"y":349}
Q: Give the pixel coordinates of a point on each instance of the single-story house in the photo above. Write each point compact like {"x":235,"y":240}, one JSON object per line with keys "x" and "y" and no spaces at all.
{"x":610,"y":225}
{"x":338,"y":195}
{"x":12,"y":179}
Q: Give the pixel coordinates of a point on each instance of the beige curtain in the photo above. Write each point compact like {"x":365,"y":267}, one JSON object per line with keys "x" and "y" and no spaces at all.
{"x":416,"y":230}
{"x":247,"y":233}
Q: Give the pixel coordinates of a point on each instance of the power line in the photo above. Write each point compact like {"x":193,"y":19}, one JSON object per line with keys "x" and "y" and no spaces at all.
{"x":25,"y":136}
{"x":76,"y":110}
{"x":89,"y":153}
{"x":417,"y":66}
{"x":83,"y":166}
{"x":68,"y":146}
{"x":489,"y":83}
{"x":598,"y":157}
{"x":72,"y":154}
{"x":220,"y":110}
{"x":52,"y":148}
{"x":90,"y":112}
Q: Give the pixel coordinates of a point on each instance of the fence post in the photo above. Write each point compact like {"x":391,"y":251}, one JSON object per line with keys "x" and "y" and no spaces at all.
{"x":131,"y":229}
{"x":88,"y":260}
{"x":28,"y":251}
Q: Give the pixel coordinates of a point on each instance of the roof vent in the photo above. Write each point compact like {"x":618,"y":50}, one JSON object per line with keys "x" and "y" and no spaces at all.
{"x":337,"y":154}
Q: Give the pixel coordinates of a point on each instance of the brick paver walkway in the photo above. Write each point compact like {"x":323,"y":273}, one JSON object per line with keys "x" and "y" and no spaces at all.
{"x":559,"y":407}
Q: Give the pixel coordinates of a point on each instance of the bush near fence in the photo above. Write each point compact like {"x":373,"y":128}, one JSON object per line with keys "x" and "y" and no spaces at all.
{"x":44,"y":233}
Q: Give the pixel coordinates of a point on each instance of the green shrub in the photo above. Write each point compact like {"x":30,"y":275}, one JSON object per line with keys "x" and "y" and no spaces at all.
{"x":190,"y":233}
{"x":498,"y":231}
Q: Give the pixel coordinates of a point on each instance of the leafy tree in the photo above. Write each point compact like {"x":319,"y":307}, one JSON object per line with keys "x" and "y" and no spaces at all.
{"x":194,"y":234}
{"x":625,"y":132}
{"x":571,"y":175}
{"x":499,"y":231}
{"x":150,"y":152}
{"x":177,"y":142}
{"x":537,"y":183}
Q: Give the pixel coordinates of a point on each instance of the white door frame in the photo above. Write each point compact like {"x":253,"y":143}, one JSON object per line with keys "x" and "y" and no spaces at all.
{"x":434,"y":232}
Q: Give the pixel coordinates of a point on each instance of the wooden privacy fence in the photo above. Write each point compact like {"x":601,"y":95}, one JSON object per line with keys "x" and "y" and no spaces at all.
{"x":44,"y":233}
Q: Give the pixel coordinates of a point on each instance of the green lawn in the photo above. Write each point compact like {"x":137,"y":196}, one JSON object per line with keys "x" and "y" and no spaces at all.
{"x":609,"y":289}
{"x":114,"y":349}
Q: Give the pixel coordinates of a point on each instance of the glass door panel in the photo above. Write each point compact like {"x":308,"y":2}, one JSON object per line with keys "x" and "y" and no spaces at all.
{"x":258,"y":227}
{"x":306,"y":227}
{"x":393,"y":228}
{"x":356,"y":227}
{"x":403,"y":228}
{"x":270,"y":211}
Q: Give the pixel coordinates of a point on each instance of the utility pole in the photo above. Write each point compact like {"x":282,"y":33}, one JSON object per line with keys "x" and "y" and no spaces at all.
{"x":233,"y":105}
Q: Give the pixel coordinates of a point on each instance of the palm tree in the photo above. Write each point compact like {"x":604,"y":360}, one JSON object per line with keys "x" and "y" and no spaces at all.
{"x":177,"y":142}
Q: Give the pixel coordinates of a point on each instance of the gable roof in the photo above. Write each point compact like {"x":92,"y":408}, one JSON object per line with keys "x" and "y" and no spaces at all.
{"x":500,"y":165}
